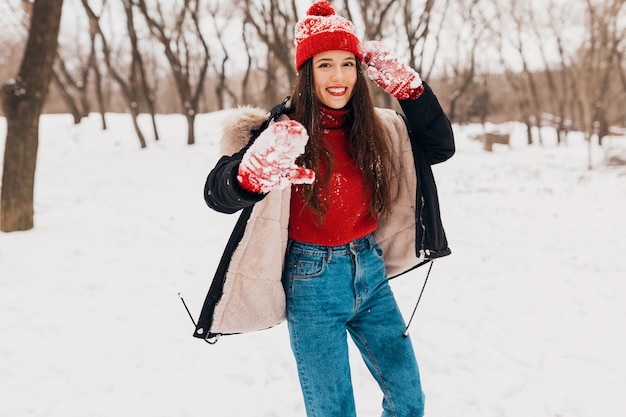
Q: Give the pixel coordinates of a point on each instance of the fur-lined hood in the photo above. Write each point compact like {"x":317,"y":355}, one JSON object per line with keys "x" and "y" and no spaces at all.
{"x":237,"y":128}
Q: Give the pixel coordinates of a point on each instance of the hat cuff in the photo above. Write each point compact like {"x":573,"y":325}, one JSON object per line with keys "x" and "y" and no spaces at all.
{"x":330,"y":41}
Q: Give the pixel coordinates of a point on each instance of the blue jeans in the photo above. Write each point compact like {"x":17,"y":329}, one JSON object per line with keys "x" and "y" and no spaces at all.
{"x":332,"y":291}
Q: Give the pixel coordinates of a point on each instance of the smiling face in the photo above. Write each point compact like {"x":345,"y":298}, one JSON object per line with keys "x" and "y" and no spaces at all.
{"x":334,"y":77}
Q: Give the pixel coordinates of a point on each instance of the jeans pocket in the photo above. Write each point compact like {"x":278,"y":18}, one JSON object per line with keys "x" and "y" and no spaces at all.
{"x":303,"y":277}
{"x":307,"y":267}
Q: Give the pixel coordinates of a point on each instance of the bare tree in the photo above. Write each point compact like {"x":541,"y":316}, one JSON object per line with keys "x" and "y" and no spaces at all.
{"x":417,"y":29}
{"x":467,"y":36}
{"x":273,"y":22}
{"x":598,"y":63}
{"x":605,"y":40}
{"x":76,"y":56}
{"x":138,"y":75}
{"x":519,"y":14}
{"x":557,"y":78}
{"x":74,"y":66}
{"x":375,"y":15}
{"x":245,"y":82}
{"x":23,"y":99}
{"x":503,"y":40}
{"x":74,"y":88}
{"x":186,"y":51}
{"x":128,"y":85}
{"x":66,"y":84}
{"x":222,"y":88}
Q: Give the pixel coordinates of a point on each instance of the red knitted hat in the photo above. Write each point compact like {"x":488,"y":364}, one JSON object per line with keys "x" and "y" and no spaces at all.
{"x":322,"y":30}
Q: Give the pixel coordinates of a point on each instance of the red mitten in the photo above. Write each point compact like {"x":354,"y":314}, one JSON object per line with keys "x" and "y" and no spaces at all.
{"x":270,"y":164}
{"x":396,"y":78}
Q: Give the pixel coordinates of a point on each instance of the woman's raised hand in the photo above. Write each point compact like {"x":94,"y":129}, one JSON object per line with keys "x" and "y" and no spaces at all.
{"x":393,"y":76}
{"x":270,"y":162}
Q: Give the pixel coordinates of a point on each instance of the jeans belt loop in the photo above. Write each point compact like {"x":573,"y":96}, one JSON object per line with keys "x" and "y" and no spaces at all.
{"x":329,"y":252}
{"x":370,"y":241}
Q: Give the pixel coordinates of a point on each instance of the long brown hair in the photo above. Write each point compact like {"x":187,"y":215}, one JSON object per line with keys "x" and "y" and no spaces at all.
{"x":368,"y":144}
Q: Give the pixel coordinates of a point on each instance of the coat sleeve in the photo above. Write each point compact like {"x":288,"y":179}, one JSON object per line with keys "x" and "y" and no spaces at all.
{"x":429,"y":127}
{"x":222,"y":191}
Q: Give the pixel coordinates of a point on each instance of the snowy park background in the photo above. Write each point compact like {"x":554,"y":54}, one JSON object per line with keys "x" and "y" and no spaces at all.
{"x":527,"y":317}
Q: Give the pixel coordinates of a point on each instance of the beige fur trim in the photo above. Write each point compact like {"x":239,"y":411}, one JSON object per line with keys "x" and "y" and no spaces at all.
{"x":254,"y":297}
{"x":237,"y":128}
{"x":396,"y":232}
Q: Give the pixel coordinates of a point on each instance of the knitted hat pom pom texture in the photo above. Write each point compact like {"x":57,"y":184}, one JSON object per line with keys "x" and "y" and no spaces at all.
{"x":323,"y":30}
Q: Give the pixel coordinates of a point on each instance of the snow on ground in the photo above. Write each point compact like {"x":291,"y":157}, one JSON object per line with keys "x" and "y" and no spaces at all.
{"x":525,"y":318}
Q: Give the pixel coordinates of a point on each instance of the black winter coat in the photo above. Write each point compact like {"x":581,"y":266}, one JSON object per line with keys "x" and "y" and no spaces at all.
{"x":432,"y":142}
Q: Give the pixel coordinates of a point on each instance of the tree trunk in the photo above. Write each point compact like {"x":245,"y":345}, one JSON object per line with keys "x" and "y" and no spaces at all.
{"x":191,"y":136}
{"x":134,"y":114}
{"x":64,"y":90}
{"x":23,"y":99}
{"x":529,"y":130}
{"x":140,"y":87}
{"x":100,"y":96}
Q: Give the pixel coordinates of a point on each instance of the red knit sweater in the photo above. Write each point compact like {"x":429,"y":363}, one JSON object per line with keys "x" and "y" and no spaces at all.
{"x":347,"y":217}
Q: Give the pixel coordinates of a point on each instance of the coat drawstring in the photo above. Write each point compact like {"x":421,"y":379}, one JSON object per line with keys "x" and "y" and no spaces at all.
{"x":187,"y":308}
{"x":406,"y":330}
{"x":210,"y":339}
{"x":404,"y":334}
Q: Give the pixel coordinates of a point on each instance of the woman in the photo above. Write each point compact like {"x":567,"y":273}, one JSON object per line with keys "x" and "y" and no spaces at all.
{"x":336,"y":197}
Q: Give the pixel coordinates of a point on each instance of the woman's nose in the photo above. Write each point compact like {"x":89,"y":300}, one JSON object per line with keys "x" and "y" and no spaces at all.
{"x":337,"y":74}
